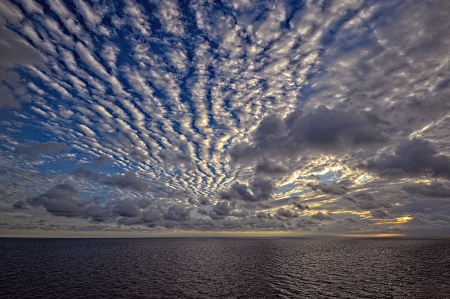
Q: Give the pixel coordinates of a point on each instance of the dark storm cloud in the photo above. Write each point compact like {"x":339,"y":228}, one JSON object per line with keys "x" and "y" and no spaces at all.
{"x":379,"y":214}
{"x":413,"y":158}
{"x":334,"y":188}
{"x":260,"y":189}
{"x":429,"y":190}
{"x":128,"y":180}
{"x":60,"y":200}
{"x":31,"y":150}
{"x":321,"y":216}
{"x":321,"y":130}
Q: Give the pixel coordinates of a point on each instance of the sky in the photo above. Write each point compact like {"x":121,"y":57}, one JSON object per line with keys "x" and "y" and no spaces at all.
{"x":224,"y":118}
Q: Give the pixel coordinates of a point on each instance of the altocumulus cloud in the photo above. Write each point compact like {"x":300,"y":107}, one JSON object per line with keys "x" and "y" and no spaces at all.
{"x":226,"y":115}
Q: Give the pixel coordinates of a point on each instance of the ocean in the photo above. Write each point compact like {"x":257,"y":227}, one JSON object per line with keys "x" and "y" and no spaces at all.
{"x":225,"y":268}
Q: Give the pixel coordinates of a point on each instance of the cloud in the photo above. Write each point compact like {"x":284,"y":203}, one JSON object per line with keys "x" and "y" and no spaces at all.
{"x":99,"y":213}
{"x":295,"y":201}
{"x":15,"y":51}
{"x":223,"y":209}
{"x":19,"y":205}
{"x":320,"y":216}
{"x":175,"y":158}
{"x":178,"y":213}
{"x":283,"y":213}
{"x":337,"y":83}
{"x":366,"y":201}
{"x":413,"y":158}
{"x":334,"y":188}
{"x":429,"y":190}
{"x":127,"y":208}
{"x":60,"y":200}
{"x":202,"y":211}
{"x":101,"y":161}
{"x":269,"y":168}
{"x":31,"y":150}
{"x":127,"y":180}
{"x":379,"y":214}
{"x":321,"y":130}
{"x":260,"y":189}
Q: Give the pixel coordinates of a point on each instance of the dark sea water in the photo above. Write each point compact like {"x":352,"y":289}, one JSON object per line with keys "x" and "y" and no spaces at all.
{"x":224,"y":268}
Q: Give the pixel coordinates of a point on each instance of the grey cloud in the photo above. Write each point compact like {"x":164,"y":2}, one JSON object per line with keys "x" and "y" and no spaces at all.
{"x":221,"y":209}
{"x":379,"y":214}
{"x":127,"y":208}
{"x":264,"y":215}
{"x":87,"y":173}
{"x":321,"y":216}
{"x":431,"y":190}
{"x":329,"y":189}
{"x":296,"y":202}
{"x":201,"y":201}
{"x":175,"y":158}
{"x":152,"y":214}
{"x":322,"y":131}
{"x":100,"y":161}
{"x":413,"y":158}
{"x":98,"y":213}
{"x":20,"y":204}
{"x":366,"y":201}
{"x":268,"y":167}
{"x":178,"y":213}
{"x":31,"y":150}
{"x":60,"y":200}
{"x":14,"y":51}
{"x":281,"y":212}
{"x":202,"y":211}
{"x":240,"y":213}
{"x":127,"y":180}
{"x":260,"y":189}
{"x":123,"y":181}
{"x":378,"y":59}
{"x":315,"y":177}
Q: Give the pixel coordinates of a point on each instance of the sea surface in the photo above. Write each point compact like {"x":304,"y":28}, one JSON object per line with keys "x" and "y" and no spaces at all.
{"x":225,"y":268}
